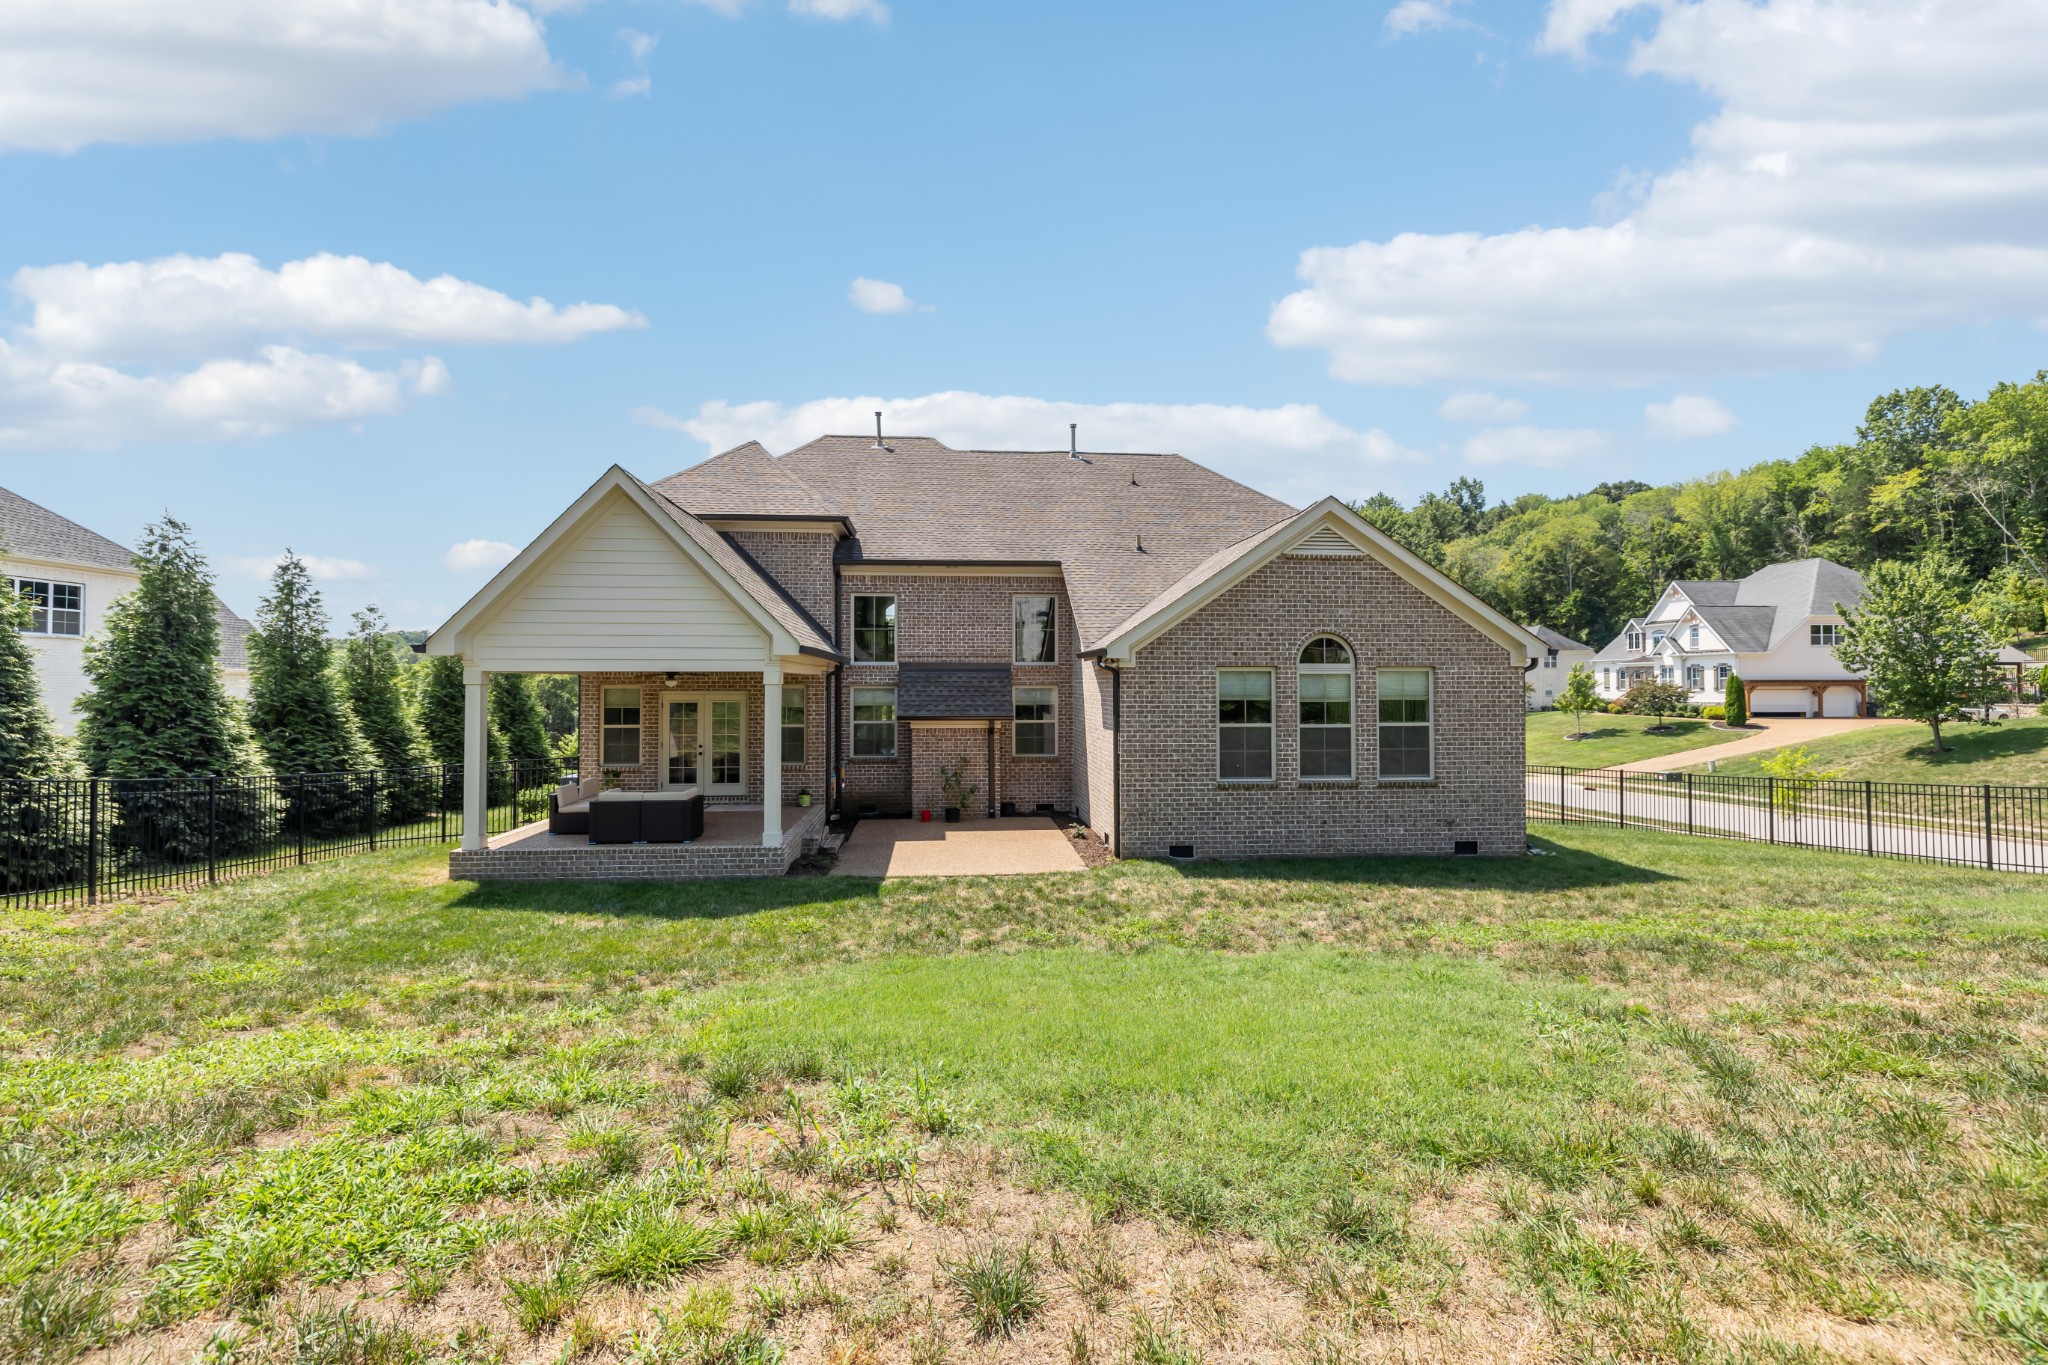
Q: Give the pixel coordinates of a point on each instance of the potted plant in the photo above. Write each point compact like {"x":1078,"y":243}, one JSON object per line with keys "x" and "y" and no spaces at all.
{"x":959,"y":791}
{"x":803,"y":796}
{"x":609,"y":781}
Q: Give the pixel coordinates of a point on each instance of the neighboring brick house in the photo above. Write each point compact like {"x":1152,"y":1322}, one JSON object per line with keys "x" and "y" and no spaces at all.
{"x":1185,"y":664}
{"x":70,"y":576}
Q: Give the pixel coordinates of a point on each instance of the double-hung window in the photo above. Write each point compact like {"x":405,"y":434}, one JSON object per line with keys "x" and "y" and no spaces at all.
{"x":1244,"y":724}
{"x":1695,"y":677}
{"x":874,"y":722}
{"x":1635,"y":639}
{"x":1692,"y":637}
{"x":1721,"y":672}
{"x":1036,"y":620}
{"x":1405,"y":724}
{"x":53,"y":608}
{"x":1827,"y":637}
{"x":620,"y":724}
{"x":874,"y":628}
{"x":792,"y":722}
{"x":1037,"y":722}
{"x":1324,"y":677}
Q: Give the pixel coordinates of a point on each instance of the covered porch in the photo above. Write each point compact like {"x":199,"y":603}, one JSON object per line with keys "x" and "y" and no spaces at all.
{"x":699,"y":680}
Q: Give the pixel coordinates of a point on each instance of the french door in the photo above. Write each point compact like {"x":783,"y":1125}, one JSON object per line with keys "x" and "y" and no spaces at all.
{"x":704,"y":742}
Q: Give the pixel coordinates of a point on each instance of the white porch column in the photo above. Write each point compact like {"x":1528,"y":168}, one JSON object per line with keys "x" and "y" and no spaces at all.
{"x":476,"y":756}
{"x":771,"y":756}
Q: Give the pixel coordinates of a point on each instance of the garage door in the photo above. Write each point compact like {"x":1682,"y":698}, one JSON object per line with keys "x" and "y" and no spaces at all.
{"x":1840,"y":701}
{"x":1781,"y":701}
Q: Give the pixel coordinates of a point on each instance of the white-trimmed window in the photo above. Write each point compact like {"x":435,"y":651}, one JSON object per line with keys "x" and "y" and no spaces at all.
{"x":1692,"y":637}
{"x":1635,"y":639}
{"x":1325,"y":685}
{"x":1036,"y":619}
{"x":1826,"y":637}
{"x":874,"y":722}
{"x":620,"y":727}
{"x":792,"y":722}
{"x":1550,"y":659}
{"x":1405,"y":707}
{"x":53,"y":608}
{"x":1036,"y":732}
{"x":1244,"y":724}
{"x":1607,"y":677}
{"x":874,"y":628}
{"x":1721,"y":672}
{"x":1695,"y":677}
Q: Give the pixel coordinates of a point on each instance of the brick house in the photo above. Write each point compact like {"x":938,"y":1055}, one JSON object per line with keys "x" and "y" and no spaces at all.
{"x":1186,"y":665}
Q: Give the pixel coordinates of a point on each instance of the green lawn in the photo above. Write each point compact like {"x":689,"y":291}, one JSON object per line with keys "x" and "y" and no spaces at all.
{"x":1612,"y":739}
{"x":2011,"y":753}
{"x":1646,"y":1098}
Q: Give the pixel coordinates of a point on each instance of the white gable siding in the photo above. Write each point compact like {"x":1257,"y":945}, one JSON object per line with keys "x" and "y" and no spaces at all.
{"x":616,"y":594}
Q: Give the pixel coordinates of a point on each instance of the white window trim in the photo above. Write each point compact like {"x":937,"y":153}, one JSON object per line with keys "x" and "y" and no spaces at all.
{"x":1429,"y":725}
{"x":1054,"y":722}
{"x":49,"y":587}
{"x":1270,"y":727}
{"x":1053,"y":598}
{"x":1350,"y":671}
{"x":853,"y":726}
{"x":1816,"y":630}
{"x":639,"y":732}
{"x":895,"y":630}
{"x":802,"y":727}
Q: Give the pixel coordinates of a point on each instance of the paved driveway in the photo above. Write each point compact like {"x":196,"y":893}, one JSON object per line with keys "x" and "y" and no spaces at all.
{"x":972,"y":848}
{"x":1777,"y":732}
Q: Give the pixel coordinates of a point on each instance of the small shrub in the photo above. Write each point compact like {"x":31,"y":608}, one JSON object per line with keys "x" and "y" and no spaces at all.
{"x":1713,"y":712}
{"x":999,"y":1288}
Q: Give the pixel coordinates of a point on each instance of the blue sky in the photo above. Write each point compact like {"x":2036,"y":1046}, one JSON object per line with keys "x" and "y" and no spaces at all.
{"x":1325,"y":247}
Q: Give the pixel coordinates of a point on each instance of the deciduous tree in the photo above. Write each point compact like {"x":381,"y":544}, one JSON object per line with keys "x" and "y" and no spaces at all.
{"x":1927,"y":656}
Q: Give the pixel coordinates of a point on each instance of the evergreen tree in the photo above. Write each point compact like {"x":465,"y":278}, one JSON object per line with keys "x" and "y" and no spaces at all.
{"x":1735,"y":702}
{"x":515,"y":714}
{"x":297,"y":713}
{"x":42,"y":834}
{"x":369,"y":670}
{"x":158,"y":711}
{"x":1927,"y":657}
{"x":440,"y":708}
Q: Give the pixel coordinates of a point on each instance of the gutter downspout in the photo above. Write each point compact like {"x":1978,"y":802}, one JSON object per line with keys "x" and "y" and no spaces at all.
{"x":1116,"y":763}
{"x":992,"y":770}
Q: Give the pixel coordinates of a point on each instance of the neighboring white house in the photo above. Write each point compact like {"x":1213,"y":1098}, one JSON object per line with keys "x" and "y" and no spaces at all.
{"x":1776,"y":629}
{"x":1560,"y":653}
{"x":71,"y":576}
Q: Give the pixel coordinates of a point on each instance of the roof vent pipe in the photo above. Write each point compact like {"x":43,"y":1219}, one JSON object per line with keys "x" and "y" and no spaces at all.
{"x":1073,"y":440}
{"x":878,"y":434}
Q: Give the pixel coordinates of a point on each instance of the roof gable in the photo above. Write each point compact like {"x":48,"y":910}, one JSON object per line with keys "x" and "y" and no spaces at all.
{"x":1234,"y":563}
{"x":35,"y":532}
{"x":600,"y":583}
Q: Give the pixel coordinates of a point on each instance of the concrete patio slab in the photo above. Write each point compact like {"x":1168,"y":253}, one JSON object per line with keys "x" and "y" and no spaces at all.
{"x":972,"y":848}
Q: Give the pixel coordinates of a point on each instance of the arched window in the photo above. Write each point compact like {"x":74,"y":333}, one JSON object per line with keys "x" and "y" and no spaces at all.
{"x":1326,"y":690}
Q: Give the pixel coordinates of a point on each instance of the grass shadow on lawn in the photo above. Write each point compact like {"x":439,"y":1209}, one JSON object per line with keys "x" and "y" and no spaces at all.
{"x":1554,"y":869}
{"x":727,"y":898}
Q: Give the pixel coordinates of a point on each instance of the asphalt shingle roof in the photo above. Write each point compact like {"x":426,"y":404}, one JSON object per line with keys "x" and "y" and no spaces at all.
{"x":1554,"y":639}
{"x":921,"y":500}
{"x":35,"y":532}
{"x":1757,"y":613}
{"x":953,"y":692}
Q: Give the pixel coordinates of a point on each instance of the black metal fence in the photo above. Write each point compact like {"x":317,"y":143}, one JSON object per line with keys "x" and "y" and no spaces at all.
{"x":2003,"y":828}
{"x":81,"y":840}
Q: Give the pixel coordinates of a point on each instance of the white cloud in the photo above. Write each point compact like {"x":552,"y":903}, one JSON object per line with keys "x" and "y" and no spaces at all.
{"x":48,"y":404}
{"x":639,"y":47}
{"x":1542,"y":447}
{"x":880,"y":296}
{"x":186,"y":305}
{"x":1472,"y":406}
{"x":323,"y":568}
{"x":1411,"y":17}
{"x":74,"y":72}
{"x":1297,"y":452}
{"x":842,"y":9}
{"x":478,"y":557}
{"x":1873,"y":168}
{"x":1688,"y":415}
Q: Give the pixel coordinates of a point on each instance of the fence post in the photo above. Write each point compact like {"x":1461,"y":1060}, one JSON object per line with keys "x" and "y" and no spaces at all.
{"x":373,"y":810}
{"x":1771,"y":808}
{"x":1621,"y":800}
{"x":1869,"y":827}
{"x":212,"y":827}
{"x":92,"y":841}
{"x":1990,"y":862}
{"x":1688,"y":803}
{"x":299,"y":808}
